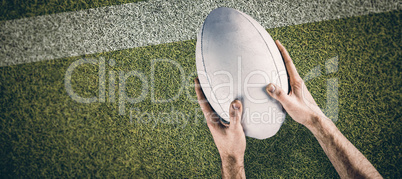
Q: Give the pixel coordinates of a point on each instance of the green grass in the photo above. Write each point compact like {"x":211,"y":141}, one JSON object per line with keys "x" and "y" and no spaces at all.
{"x":15,"y":9}
{"x":44,"y":133}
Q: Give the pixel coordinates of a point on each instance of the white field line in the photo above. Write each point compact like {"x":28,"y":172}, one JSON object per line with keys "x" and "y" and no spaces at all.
{"x":153,"y":22}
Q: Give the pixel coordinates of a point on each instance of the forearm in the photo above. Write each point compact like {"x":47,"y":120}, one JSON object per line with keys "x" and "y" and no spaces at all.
{"x":348,"y":161}
{"x":233,"y":167}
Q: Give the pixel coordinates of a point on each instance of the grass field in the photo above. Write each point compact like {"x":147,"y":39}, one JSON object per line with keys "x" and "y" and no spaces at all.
{"x":15,"y":9}
{"x":45,"y":133}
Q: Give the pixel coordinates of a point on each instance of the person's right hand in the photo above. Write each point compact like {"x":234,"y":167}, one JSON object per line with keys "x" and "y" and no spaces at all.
{"x":299,"y":103}
{"x":348,"y":161}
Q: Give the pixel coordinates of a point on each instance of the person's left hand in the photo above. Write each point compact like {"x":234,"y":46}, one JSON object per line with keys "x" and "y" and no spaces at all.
{"x":229,"y":138}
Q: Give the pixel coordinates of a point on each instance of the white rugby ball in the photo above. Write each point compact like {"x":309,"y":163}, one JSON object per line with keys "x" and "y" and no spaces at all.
{"x":236,"y":58}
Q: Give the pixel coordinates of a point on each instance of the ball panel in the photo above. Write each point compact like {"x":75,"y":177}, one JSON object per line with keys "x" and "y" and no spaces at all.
{"x":236,"y":59}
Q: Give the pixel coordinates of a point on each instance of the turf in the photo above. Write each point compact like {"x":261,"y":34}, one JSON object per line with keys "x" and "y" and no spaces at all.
{"x":45,"y":133}
{"x":15,"y":9}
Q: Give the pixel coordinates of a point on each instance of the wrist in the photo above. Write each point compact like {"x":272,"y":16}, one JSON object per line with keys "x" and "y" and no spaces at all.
{"x":314,"y":122}
{"x":321,"y":126}
{"x":232,"y":160}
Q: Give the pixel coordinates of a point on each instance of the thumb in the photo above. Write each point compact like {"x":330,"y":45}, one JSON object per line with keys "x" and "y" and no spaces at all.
{"x":235,"y":112}
{"x":277,"y":93}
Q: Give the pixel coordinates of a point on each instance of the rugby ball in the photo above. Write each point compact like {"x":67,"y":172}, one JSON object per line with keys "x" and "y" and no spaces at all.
{"x":236,"y":58}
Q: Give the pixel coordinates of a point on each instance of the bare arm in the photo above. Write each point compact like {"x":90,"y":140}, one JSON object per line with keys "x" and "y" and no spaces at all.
{"x":229,"y":139}
{"x":232,"y":167}
{"x":348,"y":161}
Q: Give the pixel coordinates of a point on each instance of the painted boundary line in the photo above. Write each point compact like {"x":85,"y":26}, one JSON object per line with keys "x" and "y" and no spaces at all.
{"x":153,"y":22}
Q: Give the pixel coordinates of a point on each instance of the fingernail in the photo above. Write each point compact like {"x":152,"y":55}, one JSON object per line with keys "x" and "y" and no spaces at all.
{"x":271,"y":88}
{"x":235,"y":105}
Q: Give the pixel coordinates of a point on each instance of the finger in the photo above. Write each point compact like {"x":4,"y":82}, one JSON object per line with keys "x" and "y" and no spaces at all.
{"x":293,"y":75}
{"x":235,"y":112}
{"x":212,"y":119}
{"x":277,"y":93}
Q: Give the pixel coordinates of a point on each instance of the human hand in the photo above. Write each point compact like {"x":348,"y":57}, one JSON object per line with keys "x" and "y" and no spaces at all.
{"x":348,"y":161}
{"x":229,"y":138}
{"x":299,"y":103}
